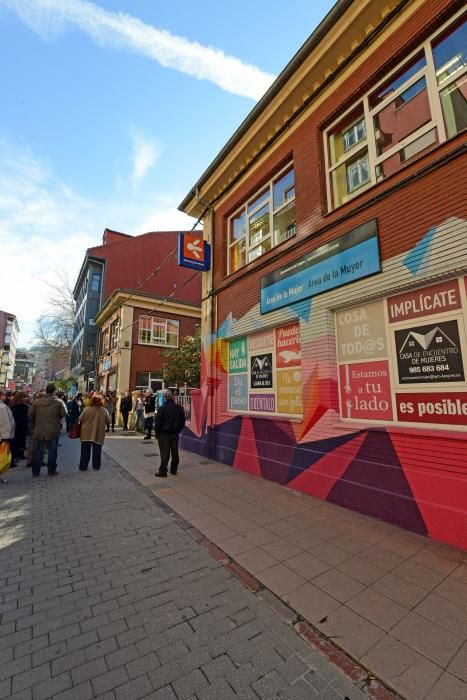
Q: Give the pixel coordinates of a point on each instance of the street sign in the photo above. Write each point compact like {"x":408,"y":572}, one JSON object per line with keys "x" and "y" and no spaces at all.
{"x":193,"y":251}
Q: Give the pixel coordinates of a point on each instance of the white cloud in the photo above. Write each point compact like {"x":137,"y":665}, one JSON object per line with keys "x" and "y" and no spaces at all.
{"x":146,"y":152}
{"x":49,"y":17}
{"x":46,"y":226}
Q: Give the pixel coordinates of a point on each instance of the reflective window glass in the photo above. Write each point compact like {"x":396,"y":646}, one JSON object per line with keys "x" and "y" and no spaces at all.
{"x":454,"y":104}
{"x":258,"y":200}
{"x":259,"y":225}
{"x":450,"y":52}
{"x":397,"y":81}
{"x":401,"y":117}
{"x":283,"y":189}
{"x":238,"y":226}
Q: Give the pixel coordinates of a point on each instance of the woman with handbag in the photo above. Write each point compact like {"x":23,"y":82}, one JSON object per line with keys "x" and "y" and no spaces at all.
{"x":93,"y":421}
{"x":7,"y":431}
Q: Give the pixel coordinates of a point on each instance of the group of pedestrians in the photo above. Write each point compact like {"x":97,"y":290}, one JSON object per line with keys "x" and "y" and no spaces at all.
{"x":41,"y":420}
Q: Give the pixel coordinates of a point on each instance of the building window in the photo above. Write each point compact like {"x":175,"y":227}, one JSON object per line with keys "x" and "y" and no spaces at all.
{"x":148,"y":380}
{"x":114,"y":333}
{"x":105,"y":340}
{"x":264,"y":221}
{"x":95,"y":282}
{"x":158,"y":331}
{"x":419,"y":105}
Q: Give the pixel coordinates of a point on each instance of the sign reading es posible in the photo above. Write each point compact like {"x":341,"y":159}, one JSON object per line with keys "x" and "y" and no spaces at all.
{"x":446,"y":408}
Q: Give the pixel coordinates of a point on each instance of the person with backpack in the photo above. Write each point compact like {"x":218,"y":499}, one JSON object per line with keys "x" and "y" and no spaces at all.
{"x":168,"y":424}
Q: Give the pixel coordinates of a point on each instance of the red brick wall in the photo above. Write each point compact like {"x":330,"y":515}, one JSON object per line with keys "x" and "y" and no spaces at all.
{"x":131,"y":260}
{"x":423,"y":203}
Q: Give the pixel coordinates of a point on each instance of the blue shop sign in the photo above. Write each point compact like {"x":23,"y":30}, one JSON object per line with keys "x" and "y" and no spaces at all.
{"x":194,"y":252}
{"x":350,"y":257}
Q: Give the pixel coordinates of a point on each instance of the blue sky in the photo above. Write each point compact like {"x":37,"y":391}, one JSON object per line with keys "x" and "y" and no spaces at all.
{"x":111,"y":110}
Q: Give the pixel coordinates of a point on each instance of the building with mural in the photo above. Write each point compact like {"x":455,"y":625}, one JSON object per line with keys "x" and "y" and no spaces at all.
{"x":135,"y":330}
{"x":334,"y":317}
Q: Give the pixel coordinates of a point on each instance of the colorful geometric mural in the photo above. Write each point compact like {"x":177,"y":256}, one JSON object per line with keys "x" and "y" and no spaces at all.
{"x":412,"y":476}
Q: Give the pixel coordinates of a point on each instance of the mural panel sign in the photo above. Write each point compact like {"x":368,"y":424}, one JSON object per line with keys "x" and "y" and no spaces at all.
{"x":238,"y":392}
{"x":266,"y":403}
{"x":444,"y":408}
{"x":261,"y":341}
{"x":429,"y":354}
{"x":350,"y":257}
{"x":365,"y":391}
{"x":238,"y":356}
{"x":361,"y":332}
{"x":264,"y":372}
{"x":424,"y":302}
{"x":421,"y":372}
{"x":289,"y":391}
{"x":261,"y":371}
{"x":288,"y":353}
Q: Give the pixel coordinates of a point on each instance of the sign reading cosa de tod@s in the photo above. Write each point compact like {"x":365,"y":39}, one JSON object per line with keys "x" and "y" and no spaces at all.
{"x":345,"y":259}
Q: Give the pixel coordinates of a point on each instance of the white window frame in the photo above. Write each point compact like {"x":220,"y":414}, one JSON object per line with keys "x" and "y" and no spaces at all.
{"x":269,"y":200}
{"x":158,"y":324}
{"x":115,"y":333}
{"x":369,"y":143}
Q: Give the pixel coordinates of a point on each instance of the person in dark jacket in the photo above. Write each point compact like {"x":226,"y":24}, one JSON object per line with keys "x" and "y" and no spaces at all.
{"x":19,"y":409}
{"x":168,"y":424}
{"x":46,"y":415}
{"x":126,"y":404}
{"x":72,"y":412}
{"x":149,"y":412}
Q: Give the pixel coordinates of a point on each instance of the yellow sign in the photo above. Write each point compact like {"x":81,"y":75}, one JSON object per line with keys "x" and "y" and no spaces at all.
{"x":289,"y":391}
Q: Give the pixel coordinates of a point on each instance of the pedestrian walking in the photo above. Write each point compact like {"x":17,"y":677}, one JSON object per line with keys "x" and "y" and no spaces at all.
{"x":46,"y":414}
{"x":149,"y":412}
{"x":168,"y":424}
{"x":72,"y":412}
{"x":94,"y":420}
{"x":139,"y":410}
{"x":110,"y":406}
{"x":19,"y":409}
{"x":126,"y":405}
{"x":7,"y":432}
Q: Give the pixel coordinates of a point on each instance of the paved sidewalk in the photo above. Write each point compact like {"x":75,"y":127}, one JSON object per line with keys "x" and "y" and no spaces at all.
{"x":395,"y":601}
{"x":103,"y":594}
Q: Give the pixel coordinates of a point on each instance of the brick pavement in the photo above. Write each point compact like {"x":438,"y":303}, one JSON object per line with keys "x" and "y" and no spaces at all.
{"x":394,"y":601}
{"x":104,"y":595}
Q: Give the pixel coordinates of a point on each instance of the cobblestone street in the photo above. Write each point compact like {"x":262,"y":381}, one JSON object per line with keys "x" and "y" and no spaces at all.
{"x":104,"y":595}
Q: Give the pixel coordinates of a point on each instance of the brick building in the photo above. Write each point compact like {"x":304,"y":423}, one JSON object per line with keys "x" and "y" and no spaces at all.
{"x":123,"y":262}
{"x":335,"y":314}
{"x":135,"y":330}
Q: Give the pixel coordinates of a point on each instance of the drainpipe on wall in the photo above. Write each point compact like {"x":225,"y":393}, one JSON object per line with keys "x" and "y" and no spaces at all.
{"x":212,"y":323}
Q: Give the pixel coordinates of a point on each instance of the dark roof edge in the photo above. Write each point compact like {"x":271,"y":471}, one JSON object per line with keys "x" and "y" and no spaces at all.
{"x":313,"y":40}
